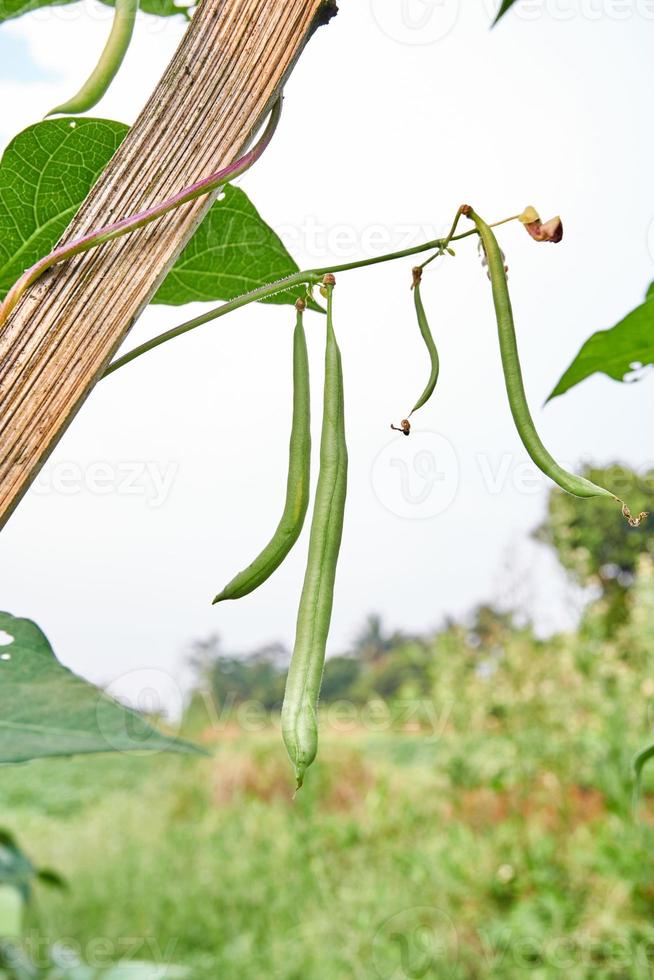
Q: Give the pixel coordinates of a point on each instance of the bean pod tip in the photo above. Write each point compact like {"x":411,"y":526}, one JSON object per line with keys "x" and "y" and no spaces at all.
{"x":631,"y":519}
{"x":404,"y":427}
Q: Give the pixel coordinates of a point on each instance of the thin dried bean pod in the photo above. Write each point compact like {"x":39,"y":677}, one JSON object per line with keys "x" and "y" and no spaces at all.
{"x":299,"y":719}
{"x":576,"y":485}
{"x":423,"y":323}
{"x":109,"y":64}
{"x":297,"y":486}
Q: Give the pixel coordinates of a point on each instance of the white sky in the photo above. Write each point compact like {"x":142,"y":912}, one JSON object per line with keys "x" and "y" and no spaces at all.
{"x":395,"y":115}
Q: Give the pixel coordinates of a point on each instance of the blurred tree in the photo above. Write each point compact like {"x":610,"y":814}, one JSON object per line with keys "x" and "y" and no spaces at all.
{"x":372,"y":642}
{"x":488,"y":626}
{"x":340,"y":677}
{"x":235,"y":678}
{"x":594,"y":545}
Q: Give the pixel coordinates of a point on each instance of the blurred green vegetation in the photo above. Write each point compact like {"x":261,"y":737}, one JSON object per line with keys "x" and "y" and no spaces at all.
{"x":469,"y":814}
{"x":598,"y":553}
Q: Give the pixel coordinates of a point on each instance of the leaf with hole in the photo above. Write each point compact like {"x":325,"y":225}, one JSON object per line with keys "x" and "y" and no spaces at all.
{"x":624,"y":348}
{"x":46,"y":710}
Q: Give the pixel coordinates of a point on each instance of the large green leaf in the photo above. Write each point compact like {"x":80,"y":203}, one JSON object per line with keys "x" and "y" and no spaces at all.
{"x":46,"y":710}
{"x":47,"y":171}
{"x":45,"y":174}
{"x":618,"y":351}
{"x":16,"y":8}
{"x":506,"y":5}
{"x":232,"y":252}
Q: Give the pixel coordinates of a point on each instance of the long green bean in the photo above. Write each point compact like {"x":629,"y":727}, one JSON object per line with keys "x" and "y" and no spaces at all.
{"x":109,"y":64}
{"x":299,"y":711}
{"x":297,"y":487}
{"x":577,"y":485}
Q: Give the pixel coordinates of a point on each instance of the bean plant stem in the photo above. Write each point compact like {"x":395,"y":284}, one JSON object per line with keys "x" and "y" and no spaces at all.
{"x":307,"y":278}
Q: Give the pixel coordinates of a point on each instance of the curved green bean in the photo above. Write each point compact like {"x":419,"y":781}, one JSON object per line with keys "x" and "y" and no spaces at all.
{"x":299,"y":718}
{"x":297,"y":486}
{"x":577,"y":485}
{"x":428,"y":339}
{"x":110,"y":61}
{"x":405,"y":426}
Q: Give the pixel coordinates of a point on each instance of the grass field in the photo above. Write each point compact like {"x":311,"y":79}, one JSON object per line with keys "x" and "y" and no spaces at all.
{"x":486,"y":831}
{"x":406,"y":855}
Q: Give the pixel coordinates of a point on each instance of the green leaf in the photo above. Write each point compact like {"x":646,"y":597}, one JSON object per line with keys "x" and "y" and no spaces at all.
{"x":18,"y":872}
{"x":16,"y":8}
{"x":232,"y":252}
{"x":506,"y":6}
{"x":47,"y":171}
{"x":16,"y":869}
{"x":617,"y":351}
{"x":46,"y":710}
{"x":45,"y":174}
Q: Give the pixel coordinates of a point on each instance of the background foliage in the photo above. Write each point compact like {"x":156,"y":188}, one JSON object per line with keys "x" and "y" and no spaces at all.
{"x":470,"y":814}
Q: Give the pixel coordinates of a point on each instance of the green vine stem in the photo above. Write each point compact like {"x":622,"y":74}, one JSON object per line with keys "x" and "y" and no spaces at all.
{"x":308,"y":278}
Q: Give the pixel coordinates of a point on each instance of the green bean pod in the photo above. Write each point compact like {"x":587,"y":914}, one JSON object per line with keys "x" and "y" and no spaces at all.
{"x":423,"y":323}
{"x":299,"y":711}
{"x":111,"y":59}
{"x":297,"y":486}
{"x":577,"y":485}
